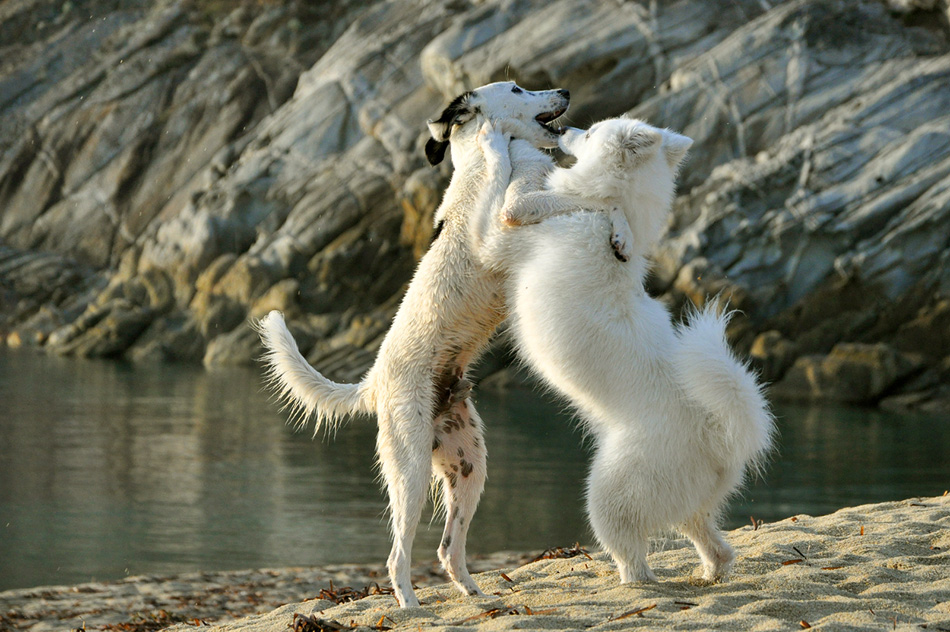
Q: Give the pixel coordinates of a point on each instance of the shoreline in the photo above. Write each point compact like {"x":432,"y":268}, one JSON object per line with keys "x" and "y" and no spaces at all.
{"x":881,"y":566}
{"x":207,"y":596}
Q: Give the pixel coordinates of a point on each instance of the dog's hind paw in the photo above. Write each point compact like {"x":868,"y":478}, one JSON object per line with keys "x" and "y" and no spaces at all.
{"x":635,"y":573}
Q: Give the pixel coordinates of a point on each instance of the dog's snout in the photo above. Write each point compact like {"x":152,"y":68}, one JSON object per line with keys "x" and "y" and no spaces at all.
{"x":564,"y":93}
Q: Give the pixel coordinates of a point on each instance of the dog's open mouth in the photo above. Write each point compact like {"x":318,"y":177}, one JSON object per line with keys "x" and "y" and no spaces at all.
{"x":547,"y":119}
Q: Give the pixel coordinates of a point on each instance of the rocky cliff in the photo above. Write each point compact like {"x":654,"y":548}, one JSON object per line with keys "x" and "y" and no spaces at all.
{"x":170,"y":169}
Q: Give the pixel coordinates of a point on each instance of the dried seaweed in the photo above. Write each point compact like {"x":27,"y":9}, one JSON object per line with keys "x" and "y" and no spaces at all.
{"x":348,"y":594}
{"x":312,"y":623}
{"x":638,"y":613}
{"x":146,"y":622}
{"x":561,"y":553}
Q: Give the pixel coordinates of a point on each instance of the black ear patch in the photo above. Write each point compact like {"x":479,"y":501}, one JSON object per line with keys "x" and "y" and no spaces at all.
{"x":435,"y":150}
{"x":457,"y":112}
{"x":438,"y":229}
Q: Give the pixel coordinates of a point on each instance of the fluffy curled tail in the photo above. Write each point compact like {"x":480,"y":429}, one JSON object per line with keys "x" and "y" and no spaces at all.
{"x":711,"y":376}
{"x":305,"y":391}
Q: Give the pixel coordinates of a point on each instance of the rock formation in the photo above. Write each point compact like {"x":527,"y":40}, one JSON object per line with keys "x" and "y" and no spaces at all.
{"x":169,"y":170}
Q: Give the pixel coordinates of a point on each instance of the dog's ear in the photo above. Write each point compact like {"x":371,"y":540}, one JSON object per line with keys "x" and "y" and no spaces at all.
{"x":457,"y":112}
{"x":439,"y":129}
{"x":435,"y":150}
{"x":675,"y":147}
{"x":638,"y":141}
{"x":633,"y":146}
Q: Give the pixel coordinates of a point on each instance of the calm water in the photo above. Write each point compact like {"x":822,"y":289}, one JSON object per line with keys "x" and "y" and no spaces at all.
{"x":108,"y":470}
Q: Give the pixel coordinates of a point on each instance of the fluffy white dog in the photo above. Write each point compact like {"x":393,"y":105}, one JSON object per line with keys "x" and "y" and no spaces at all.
{"x":677,"y":421}
{"x":417,"y":387}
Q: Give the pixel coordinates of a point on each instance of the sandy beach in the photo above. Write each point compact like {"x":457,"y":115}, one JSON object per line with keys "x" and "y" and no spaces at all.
{"x":874,"y":567}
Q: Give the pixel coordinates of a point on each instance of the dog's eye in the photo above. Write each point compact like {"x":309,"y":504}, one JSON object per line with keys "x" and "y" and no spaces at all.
{"x":516,"y":90}
{"x":587,"y":135}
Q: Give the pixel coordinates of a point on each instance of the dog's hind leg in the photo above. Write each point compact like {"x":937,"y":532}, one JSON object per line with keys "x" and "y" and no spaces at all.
{"x":459,"y":459}
{"x":715,"y":552}
{"x":626,"y":544}
{"x":403,"y":448}
{"x":615,"y":516}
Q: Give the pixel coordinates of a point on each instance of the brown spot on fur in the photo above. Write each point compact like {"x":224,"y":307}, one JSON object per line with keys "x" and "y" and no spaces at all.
{"x":453,"y":480}
{"x":466,"y":468}
{"x":451,"y":423}
{"x":444,"y":387}
{"x":461,"y":453}
{"x":436,"y":444}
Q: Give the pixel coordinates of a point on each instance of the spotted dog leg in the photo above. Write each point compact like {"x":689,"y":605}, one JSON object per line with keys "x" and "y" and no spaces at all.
{"x":458,"y":459}
{"x":453,"y":388}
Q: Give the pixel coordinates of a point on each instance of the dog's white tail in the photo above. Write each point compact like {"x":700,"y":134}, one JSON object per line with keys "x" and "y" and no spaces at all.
{"x":306,"y":392}
{"x":742,"y":426}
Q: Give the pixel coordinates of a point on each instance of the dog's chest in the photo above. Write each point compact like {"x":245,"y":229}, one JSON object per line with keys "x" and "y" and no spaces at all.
{"x":453,"y":302}
{"x":470,"y":296}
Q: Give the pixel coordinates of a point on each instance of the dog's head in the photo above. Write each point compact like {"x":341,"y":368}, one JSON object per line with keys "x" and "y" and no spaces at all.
{"x":522,"y":113}
{"x":624,"y":152}
{"x":628,"y":163}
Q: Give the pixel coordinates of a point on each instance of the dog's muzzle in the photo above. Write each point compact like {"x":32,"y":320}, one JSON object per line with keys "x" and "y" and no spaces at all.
{"x":546,"y":119}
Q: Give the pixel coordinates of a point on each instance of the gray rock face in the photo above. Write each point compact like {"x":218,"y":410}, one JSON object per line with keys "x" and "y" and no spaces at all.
{"x":853,"y":373}
{"x":819,"y":189}
{"x":179,"y":169}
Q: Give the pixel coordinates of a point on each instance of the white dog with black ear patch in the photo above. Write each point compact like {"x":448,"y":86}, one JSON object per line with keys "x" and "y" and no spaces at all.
{"x":677,"y":421}
{"x":417,"y":387}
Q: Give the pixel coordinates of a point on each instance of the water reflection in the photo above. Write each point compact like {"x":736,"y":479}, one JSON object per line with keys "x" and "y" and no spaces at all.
{"x":107,"y":469}
{"x":832,"y":457}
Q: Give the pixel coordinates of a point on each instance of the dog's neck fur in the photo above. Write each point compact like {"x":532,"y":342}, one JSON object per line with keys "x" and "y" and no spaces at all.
{"x":468,"y":177}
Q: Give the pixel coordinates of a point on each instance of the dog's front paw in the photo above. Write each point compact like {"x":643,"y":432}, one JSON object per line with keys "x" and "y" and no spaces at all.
{"x":509,"y":219}
{"x":621,"y":237}
{"x":484,"y":133}
{"x":621,"y":249}
{"x":491,"y":139}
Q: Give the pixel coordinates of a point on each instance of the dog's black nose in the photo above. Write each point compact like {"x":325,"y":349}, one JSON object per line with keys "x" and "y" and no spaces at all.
{"x":564,"y":93}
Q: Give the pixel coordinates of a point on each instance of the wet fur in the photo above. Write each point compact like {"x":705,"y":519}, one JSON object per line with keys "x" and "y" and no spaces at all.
{"x":418,"y":386}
